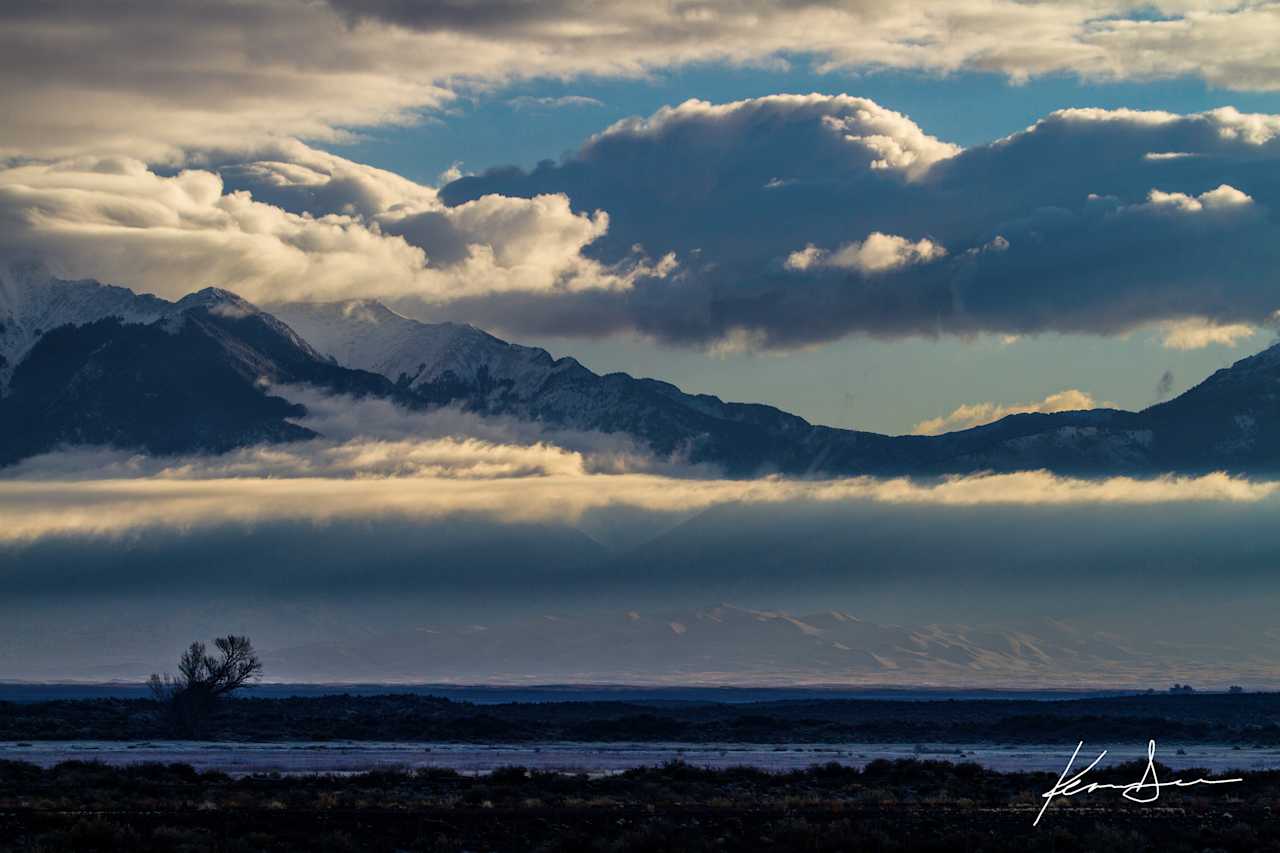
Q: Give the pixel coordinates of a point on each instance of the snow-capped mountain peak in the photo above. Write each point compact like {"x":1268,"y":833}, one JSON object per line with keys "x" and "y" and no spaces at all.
{"x":364,"y":347}
{"x":32,"y":301}
{"x":368,"y":335}
{"x":219,"y":301}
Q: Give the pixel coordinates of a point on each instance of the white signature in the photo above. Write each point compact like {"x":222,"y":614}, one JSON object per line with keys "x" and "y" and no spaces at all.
{"x":1133,"y":791}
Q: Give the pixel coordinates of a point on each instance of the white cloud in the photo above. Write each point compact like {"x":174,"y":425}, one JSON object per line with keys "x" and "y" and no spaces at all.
{"x":1198,"y":333}
{"x":1227,"y":123}
{"x":320,"y":482}
{"x":1223,"y":199}
{"x":976,"y":414}
{"x":887,"y":140}
{"x":878,"y":253}
{"x":240,"y":75}
{"x":353,"y":234}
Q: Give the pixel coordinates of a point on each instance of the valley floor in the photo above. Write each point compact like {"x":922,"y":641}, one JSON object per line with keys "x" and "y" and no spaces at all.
{"x":887,"y":806}
{"x":1243,"y":719}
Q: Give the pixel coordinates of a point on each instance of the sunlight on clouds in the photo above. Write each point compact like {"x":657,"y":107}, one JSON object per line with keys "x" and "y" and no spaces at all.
{"x":188,"y":85}
{"x":1224,"y":198}
{"x":930,"y":239}
{"x":429,"y":479}
{"x":1198,"y":333}
{"x":976,"y":414}
{"x":883,"y":139}
{"x":359,"y":234}
{"x":878,"y":253}
{"x":1066,"y":226}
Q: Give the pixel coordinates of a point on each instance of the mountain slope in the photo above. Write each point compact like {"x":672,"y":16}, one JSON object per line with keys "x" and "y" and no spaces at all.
{"x":191,"y":379}
{"x":32,"y":303}
{"x":1231,"y":420}
{"x":449,"y":361}
{"x":86,"y":363}
{"x":464,"y":364}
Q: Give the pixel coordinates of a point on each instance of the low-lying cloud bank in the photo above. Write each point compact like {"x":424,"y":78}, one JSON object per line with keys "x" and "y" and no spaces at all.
{"x":373,"y":541}
{"x":110,"y":493}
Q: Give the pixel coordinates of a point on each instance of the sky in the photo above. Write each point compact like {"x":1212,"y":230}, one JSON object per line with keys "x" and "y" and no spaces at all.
{"x":901,"y":217}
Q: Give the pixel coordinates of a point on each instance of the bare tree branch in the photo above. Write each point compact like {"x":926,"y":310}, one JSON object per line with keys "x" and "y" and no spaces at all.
{"x":203,"y":678}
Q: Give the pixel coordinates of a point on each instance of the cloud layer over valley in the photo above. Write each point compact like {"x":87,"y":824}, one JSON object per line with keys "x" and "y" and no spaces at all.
{"x":441,"y":556}
{"x":380,"y":461}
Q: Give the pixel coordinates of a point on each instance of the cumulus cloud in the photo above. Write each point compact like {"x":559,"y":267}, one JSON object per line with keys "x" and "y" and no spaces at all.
{"x":302,"y":225}
{"x":850,"y":129}
{"x":800,"y":219}
{"x":772,"y":223}
{"x":243,"y":74}
{"x":1198,"y":333}
{"x":877,"y":253}
{"x":1224,"y":199}
{"x":976,"y":414}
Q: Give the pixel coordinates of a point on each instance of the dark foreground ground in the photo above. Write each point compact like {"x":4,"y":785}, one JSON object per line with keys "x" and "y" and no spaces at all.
{"x":888,"y":806}
{"x":1251,"y":719}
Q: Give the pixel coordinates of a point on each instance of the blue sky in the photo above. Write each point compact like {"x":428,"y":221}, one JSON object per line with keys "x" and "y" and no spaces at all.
{"x":485,"y":129}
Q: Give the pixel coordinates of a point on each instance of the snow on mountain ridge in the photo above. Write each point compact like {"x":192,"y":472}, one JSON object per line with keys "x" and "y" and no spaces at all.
{"x":32,"y":302}
{"x":370,"y":336}
{"x":232,"y":306}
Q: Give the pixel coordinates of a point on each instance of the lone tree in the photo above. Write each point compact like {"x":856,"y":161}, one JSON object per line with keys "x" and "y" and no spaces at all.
{"x":203,"y":679}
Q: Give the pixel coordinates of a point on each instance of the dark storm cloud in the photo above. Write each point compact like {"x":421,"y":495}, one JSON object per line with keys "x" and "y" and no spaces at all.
{"x":795,"y":553}
{"x":466,"y":597}
{"x":802,"y":219}
{"x":461,"y":559}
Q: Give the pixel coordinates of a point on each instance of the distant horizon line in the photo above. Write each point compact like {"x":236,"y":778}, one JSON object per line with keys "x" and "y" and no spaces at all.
{"x":649,"y":686}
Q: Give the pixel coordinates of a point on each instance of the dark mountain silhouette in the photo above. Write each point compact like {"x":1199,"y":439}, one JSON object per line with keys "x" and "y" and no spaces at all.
{"x":1222,"y":424}
{"x":193,"y":380}
{"x":134,"y":371}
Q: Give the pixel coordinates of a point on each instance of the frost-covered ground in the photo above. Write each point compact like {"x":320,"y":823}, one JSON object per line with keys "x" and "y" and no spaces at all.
{"x":348,"y":757}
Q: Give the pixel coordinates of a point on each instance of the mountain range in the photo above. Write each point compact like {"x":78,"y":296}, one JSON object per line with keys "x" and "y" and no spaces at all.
{"x":83,"y":363}
{"x":728,"y":644}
